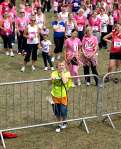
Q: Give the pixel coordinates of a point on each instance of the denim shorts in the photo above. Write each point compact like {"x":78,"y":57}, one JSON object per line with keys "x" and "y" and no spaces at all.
{"x":60,"y":110}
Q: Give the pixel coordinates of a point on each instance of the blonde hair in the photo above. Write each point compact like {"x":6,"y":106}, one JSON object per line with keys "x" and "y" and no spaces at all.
{"x":81,"y":9}
{"x":87,"y":29}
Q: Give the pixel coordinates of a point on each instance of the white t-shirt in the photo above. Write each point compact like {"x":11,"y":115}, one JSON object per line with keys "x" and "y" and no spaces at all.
{"x":32,"y":34}
{"x":40,"y":21}
{"x":46,"y":45}
{"x":64,"y":16}
{"x":104,"y":21}
{"x":69,"y":28}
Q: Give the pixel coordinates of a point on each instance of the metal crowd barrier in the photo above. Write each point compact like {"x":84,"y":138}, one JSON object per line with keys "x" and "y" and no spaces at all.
{"x":111,"y":96}
{"x":25,"y":104}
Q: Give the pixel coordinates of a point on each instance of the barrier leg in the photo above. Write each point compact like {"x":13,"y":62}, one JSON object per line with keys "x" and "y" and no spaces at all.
{"x":107,"y":116}
{"x":87,"y":130}
{"x":111,"y":121}
{"x":2,"y":139}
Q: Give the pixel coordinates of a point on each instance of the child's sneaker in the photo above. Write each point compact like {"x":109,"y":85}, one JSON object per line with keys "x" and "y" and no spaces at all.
{"x":78,"y":83}
{"x":19,"y":53}
{"x":53,"y":59}
{"x":88,"y":83}
{"x":7,"y":53}
{"x":64,"y":125}
{"x":73,"y":84}
{"x":33,"y":68}
{"x":58,"y":129}
{"x":23,"y":69}
{"x":46,"y":68}
{"x":11,"y":54}
{"x":52,"y":68}
{"x":13,"y":44}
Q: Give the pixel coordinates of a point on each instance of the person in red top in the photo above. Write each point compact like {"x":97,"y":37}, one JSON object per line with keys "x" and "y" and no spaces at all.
{"x":115,"y":50}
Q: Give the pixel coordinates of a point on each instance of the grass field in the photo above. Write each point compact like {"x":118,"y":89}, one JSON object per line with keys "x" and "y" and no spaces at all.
{"x":101,"y":136}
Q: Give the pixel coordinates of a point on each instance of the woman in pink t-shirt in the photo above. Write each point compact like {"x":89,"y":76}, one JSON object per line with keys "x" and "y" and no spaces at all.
{"x":89,"y":51}
{"x":21,"y":24}
{"x":95,"y":23}
{"x":81,"y":22}
{"x":72,"y":54}
{"x":6,"y":26}
{"x":116,"y":13}
{"x":94,"y":2}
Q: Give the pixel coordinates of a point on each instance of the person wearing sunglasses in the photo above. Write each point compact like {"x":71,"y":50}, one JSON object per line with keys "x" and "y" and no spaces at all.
{"x":32,"y":35}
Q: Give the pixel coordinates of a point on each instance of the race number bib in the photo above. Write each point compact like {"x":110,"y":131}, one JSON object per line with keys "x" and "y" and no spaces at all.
{"x":75,"y":46}
{"x":23,"y":24}
{"x":76,"y":4}
{"x":95,"y":28}
{"x":104,"y":27}
{"x":39,"y":21}
{"x":80,"y":28}
{"x":32,"y":35}
{"x":7,"y":25}
{"x":61,"y":28}
{"x":117,"y":43}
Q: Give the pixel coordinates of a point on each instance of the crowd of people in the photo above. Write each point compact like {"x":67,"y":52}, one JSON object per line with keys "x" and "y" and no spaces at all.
{"x":80,"y":29}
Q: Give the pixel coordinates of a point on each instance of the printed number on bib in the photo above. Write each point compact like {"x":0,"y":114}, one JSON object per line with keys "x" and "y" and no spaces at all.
{"x":80,"y":28}
{"x":7,"y":25}
{"x":75,"y":46}
{"x":95,"y":28}
{"x":76,"y":5}
{"x":117,"y":43}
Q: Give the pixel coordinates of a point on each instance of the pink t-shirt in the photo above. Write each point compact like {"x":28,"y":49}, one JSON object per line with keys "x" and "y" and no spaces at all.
{"x":94,"y":2}
{"x":116,"y":14}
{"x":55,"y":6}
{"x":22,"y":23}
{"x":81,"y":22}
{"x":13,"y":10}
{"x":7,"y":25}
{"x":110,"y":2}
{"x":95,"y":23}
{"x":72,"y":46}
{"x":36,"y":4}
{"x":28,"y":12}
{"x":12,"y":15}
{"x":89,"y":45}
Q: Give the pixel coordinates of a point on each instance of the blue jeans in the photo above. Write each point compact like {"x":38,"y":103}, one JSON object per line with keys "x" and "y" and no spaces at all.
{"x":60,"y":110}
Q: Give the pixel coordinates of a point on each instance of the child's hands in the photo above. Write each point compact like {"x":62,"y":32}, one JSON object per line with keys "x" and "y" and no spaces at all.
{"x":39,"y":46}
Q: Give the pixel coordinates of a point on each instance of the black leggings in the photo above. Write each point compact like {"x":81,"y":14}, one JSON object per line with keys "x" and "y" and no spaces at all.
{"x":47,"y":6}
{"x":47,"y":58}
{"x":103,"y":43}
{"x":22,"y":41}
{"x":87,"y":72}
{"x":7,"y":41}
{"x":58,"y":44}
{"x":31,"y":50}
